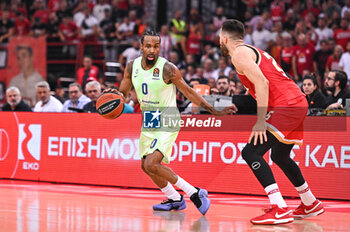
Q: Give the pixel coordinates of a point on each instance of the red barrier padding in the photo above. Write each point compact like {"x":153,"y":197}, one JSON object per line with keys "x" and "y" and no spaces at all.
{"x":85,"y":148}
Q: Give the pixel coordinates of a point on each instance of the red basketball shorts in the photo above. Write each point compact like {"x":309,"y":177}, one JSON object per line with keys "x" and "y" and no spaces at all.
{"x":286,"y":122}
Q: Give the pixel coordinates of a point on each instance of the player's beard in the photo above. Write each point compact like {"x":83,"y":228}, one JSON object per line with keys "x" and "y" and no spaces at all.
{"x":224,"y":50}
{"x":151,"y":62}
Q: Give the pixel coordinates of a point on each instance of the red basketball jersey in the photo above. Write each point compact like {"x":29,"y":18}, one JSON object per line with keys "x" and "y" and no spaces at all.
{"x":282,"y":90}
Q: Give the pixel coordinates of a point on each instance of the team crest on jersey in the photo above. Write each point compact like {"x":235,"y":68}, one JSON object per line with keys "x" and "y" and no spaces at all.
{"x":156,"y":72}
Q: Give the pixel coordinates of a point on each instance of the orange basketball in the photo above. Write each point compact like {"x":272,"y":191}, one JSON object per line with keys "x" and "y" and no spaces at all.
{"x":110,"y":105}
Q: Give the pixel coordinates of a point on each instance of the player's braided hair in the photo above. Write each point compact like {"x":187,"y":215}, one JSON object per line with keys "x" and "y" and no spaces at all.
{"x":149,"y":33}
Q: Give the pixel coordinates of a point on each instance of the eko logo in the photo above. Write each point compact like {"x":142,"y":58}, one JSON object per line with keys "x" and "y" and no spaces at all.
{"x":29,"y":144}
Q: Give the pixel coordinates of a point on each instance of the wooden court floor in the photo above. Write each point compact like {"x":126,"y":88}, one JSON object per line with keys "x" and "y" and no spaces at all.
{"x":31,"y":206}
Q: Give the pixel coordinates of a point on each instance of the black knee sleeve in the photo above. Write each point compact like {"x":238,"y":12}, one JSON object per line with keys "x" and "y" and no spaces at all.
{"x":253,"y":155}
{"x":280,"y":155}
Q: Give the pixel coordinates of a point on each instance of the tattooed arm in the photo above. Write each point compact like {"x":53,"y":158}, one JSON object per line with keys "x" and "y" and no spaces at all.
{"x":171,"y":74}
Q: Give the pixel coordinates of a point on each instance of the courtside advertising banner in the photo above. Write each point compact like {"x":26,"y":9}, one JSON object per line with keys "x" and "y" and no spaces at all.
{"x":88,"y":149}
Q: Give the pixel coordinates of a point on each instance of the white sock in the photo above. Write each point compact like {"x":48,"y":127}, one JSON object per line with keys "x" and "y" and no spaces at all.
{"x":275,"y":196}
{"x":170,"y":192}
{"x":185,"y":186}
{"x":306,"y":195}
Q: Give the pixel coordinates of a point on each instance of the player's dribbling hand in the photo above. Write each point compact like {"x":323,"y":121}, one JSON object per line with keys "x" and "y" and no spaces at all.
{"x":232,"y":109}
{"x":111,"y":90}
{"x":259,"y":132}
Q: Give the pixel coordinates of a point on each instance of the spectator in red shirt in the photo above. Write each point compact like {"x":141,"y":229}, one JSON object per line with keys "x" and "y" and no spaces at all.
{"x":284,"y":57}
{"x":18,"y":6}
{"x":22,"y":25}
{"x":193,"y":43}
{"x":342,"y":35}
{"x":310,"y":8}
{"x":277,"y":11}
{"x":87,"y":71}
{"x":333,"y":60}
{"x":54,"y":5}
{"x":67,"y":30}
{"x":41,"y":12}
{"x":302,"y":57}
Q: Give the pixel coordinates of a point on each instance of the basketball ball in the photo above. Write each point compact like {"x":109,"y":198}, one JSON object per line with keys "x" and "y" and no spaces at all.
{"x":110,"y":105}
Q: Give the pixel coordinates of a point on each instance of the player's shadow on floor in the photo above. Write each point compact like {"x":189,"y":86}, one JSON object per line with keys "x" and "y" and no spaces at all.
{"x":297,"y":225}
{"x":201,"y":225}
{"x":174,"y":219}
{"x":271,"y":228}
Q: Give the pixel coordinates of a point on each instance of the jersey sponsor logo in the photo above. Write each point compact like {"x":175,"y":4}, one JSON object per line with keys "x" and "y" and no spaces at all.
{"x":156,"y":72}
{"x":151,"y":119}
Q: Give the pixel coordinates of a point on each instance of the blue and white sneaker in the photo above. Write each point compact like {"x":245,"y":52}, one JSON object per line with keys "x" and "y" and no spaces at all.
{"x":171,"y":205}
{"x":201,"y":200}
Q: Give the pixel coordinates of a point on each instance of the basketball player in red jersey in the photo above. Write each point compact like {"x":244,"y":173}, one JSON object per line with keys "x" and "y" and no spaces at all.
{"x":282,"y":108}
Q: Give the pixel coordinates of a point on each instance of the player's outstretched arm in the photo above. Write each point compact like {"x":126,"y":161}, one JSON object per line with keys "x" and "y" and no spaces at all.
{"x":126,"y":84}
{"x":173,"y":75}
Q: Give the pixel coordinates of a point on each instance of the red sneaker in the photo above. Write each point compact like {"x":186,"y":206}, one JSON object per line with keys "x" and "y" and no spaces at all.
{"x":273,"y":216}
{"x":304,"y":211}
